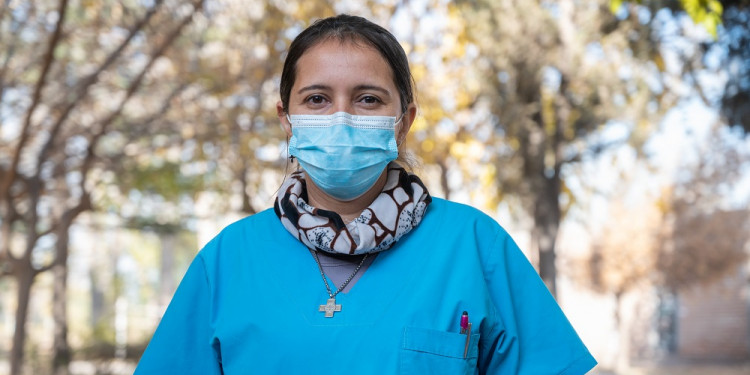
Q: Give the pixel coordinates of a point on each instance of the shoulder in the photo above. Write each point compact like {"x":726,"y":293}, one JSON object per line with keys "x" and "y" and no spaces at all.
{"x":260,"y":221}
{"x":256,"y":228}
{"x":451,"y":224}
{"x":453,"y":216}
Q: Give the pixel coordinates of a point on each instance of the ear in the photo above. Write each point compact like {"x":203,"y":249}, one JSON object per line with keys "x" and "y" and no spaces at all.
{"x":403,"y":127}
{"x":283,"y":121}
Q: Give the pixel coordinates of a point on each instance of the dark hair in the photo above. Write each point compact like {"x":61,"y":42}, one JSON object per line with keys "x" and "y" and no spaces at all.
{"x":355,"y":29}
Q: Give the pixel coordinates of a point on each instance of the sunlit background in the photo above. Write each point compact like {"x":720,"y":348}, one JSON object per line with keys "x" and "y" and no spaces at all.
{"x":610,"y":138}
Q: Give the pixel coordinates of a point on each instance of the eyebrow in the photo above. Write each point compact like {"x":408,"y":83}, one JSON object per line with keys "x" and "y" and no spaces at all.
{"x":313,"y":87}
{"x":372,"y":87}
{"x":357,"y":88}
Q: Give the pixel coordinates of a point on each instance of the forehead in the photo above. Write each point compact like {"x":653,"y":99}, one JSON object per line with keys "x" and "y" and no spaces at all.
{"x":334,"y":59}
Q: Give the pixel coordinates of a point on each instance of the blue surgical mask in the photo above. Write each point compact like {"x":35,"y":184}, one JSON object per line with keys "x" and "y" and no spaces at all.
{"x":344,"y":154}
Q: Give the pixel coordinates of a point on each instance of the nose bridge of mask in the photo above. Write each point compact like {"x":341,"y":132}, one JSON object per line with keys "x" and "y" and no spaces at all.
{"x":343,"y":118}
{"x":342,"y":131}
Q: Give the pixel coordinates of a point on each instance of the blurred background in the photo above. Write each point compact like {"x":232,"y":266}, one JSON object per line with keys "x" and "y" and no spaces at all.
{"x":609,"y":137}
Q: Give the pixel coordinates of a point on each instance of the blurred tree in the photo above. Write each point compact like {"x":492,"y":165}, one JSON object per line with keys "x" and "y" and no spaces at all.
{"x":450,"y":133}
{"x":555,"y":74}
{"x":623,"y":259}
{"x":689,"y":235}
{"x":703,"y":12}
{"x":702,"y":247}
{"x":735,"y":40}
{"x":704,"y":234}
{"x":70,"y":76}
{"x":728,"y":22}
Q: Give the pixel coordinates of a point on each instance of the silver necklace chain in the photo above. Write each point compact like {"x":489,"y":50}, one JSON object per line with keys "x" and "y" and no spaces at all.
{"x":345,"y":283}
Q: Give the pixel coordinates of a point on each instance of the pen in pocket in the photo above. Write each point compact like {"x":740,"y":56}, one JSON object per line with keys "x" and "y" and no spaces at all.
{"x":466,"y":329}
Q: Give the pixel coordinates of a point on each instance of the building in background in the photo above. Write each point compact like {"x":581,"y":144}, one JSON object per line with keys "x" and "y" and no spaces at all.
{"x":713,"y":321}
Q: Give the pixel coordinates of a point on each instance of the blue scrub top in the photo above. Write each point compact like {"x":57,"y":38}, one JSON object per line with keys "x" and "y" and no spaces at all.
{"x":249,"y":304}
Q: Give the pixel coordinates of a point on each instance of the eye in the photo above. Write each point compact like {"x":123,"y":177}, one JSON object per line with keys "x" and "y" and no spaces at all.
{"x":316,"y":99}
{"x":369,"y":99}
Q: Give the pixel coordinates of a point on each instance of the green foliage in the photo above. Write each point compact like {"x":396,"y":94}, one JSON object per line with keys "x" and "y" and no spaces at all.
{"x":614,"y":5}
{"x":703,"y":12}
{"x":164,"y":179}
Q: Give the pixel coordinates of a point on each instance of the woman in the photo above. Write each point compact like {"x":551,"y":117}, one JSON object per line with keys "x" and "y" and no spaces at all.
{"x":357,"y":270}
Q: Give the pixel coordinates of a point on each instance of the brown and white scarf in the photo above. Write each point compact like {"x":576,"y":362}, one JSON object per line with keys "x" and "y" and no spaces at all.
{"x":396,"y":211}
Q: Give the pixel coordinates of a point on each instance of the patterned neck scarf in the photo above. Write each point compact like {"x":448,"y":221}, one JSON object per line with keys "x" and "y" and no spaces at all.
{"x":396,"y":211}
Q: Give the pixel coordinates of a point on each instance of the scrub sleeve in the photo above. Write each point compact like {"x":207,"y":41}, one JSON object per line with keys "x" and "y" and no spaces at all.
{"x":532,"y":335}
{"x":183,"y":343}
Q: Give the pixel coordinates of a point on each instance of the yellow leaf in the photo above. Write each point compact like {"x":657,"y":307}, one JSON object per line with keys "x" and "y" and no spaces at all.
{"x":659,"y":61}
{"x":458,"y":150}
{"x":419,"y":124}
{"x":715,"y":7}
{"x":615,"y":5}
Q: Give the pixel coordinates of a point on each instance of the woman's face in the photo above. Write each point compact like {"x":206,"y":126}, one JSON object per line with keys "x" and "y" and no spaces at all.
{"x":335,"y":76}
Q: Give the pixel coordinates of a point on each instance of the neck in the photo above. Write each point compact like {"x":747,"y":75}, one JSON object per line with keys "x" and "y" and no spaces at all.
{"x":348,"y":210}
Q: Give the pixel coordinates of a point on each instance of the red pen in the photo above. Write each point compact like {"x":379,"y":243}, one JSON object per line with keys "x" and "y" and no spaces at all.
{"x":466,"y":329}
{"x":464,"y":322}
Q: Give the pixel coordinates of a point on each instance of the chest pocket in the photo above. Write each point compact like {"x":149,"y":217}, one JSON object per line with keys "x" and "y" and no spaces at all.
{"x":427,"y":351}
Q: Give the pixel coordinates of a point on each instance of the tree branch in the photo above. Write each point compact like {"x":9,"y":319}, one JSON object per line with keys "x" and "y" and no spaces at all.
{"x":10,"y":51}
{"x":85,"y":202}
{"x":596,"y":149}
{"x":4,"y":9}
{"x":132,"y":88}
{"x":11,"y":216}
{"x":136,"y":83}
{"x":82,"y":88}
{"x":49,"y":58}
{"x":139,"y":126}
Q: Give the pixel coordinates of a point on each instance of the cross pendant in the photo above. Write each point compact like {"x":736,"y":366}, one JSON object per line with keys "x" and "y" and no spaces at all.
{"x":330,"y":307}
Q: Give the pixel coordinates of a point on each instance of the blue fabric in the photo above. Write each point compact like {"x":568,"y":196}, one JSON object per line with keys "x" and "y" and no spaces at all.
{"x":249,"y":305}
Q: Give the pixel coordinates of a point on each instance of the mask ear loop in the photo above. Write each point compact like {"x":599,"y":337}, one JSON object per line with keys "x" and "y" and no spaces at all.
{"x":400,"y":118}
{"x":394,"y":127}
{"x":288,"y":160}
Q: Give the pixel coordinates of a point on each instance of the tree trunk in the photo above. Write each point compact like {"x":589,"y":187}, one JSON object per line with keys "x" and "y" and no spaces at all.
{"x":622,"y":361}
{"x":167,"y":285}
{"x":444,"y":179}
{"x":97,"y":297}
{"x":62,"y":355}
{"x":546,"y":226}
{"x":247,"y":206}
{"x":544,"y":180}
{"x":25,"y":279}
